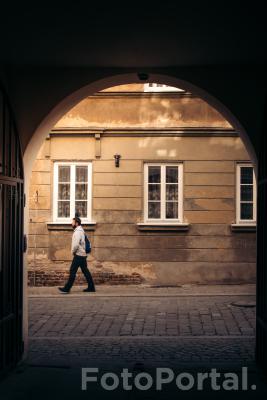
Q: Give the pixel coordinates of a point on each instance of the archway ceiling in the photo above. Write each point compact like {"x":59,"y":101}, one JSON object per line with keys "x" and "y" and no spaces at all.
{"x":132,"y":34}
{"x":50,"y":51}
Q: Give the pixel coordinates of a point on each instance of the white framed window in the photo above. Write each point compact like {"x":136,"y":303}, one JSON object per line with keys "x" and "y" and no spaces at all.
{"x":245,"y":194}
{"x":163,"y":192}
{"x":72,"y":191}
{"x":159,"y":87}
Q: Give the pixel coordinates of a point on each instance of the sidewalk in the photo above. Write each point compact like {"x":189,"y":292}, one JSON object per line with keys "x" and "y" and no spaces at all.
{"x":149,"y":291}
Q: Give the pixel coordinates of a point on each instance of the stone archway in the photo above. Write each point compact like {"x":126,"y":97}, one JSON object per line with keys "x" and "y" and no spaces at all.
{"x":75,"y":97}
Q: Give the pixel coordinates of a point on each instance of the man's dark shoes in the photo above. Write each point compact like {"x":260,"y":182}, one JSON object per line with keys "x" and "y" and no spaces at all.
{"x":88,"y":290}
{"x":63,"y":290}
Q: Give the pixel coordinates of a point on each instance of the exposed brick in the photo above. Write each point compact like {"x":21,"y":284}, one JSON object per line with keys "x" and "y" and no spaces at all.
{"x":49,"y":277}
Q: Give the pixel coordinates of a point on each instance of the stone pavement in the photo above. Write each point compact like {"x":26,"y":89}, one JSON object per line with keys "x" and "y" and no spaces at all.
{"x":188,"y":329}
{"x":140,"y":316}
{"x":142,"y":324}
{"x":147,"y":352}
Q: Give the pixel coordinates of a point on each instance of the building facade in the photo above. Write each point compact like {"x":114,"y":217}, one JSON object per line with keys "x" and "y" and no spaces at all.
{"x":163,"y":185}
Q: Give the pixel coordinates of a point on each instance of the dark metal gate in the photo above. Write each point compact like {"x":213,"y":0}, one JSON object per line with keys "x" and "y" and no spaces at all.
{"x":11,"y":240}
{"x":261,"y":342}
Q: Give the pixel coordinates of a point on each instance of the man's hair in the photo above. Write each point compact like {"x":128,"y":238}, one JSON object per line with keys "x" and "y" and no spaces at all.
{"x":78,"y":220}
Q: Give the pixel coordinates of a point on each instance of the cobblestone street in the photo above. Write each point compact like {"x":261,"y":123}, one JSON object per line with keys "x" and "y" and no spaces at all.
{"x":188,"y":329}
{"x":152,"y":326}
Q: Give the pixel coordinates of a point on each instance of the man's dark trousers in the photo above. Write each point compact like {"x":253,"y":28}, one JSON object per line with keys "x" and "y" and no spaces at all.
{"x":79,"y":261}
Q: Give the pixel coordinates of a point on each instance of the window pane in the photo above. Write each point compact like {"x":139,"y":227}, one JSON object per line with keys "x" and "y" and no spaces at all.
{"x":172,"y":174}
{"x":246,"y":211}
{"x":81,"y":191}
{"x":81,"y":208}
{"x":64,"y":173}
{"x":63,"y":191}
{"x":172,"y":210}
{"x":154,"y":174}
{"x":172,"y":192}
{"x":153,"y":192}
{"x":247,"y":175}
{"x":63,"y":209}
{"x":246,"y":193}
{"x":81,"y":173}
{"x":154,"y":210}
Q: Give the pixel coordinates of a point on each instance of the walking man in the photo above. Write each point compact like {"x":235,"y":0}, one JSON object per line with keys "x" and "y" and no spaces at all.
{"x":79,"y":258}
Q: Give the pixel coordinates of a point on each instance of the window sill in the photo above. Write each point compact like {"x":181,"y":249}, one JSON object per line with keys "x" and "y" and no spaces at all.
{"x":162,"y":226}
{"x":66,"y":226}
{"x":244,"y":227}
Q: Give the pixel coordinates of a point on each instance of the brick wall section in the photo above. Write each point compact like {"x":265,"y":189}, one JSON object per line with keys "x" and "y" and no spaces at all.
{"x":46,"y":277}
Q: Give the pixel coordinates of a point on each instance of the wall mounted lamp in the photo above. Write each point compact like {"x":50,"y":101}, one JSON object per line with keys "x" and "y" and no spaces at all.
{"x":117,"y":158}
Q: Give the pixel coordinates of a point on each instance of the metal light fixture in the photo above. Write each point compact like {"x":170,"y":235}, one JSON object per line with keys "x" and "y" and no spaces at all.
{"x":143,"y":76}
{"x":117,"y":158}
